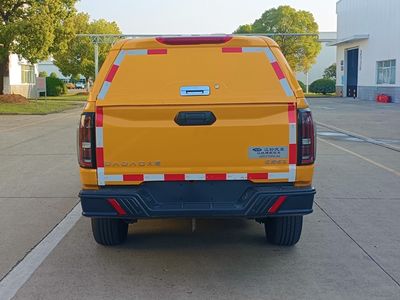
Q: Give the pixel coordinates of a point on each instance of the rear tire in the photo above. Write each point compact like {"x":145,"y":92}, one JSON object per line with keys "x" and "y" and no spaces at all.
{"x":109,"y":232}
{"x":283,"y":231}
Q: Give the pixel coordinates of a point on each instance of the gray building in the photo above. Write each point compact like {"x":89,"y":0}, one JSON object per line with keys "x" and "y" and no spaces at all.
{"x":368,"y":48}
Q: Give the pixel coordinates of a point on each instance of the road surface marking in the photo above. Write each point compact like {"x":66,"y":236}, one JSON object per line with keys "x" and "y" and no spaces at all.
{"x":362,"y":157}
{"x":16,"y":278}
{"x":359,"y":136}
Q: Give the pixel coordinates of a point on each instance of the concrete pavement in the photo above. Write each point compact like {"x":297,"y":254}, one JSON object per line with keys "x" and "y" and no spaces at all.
{"x":349,"y":247}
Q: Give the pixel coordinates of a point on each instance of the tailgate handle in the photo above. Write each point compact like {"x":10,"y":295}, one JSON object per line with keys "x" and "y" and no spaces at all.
{"x":195,"y":118}
{"x":195,"y":91}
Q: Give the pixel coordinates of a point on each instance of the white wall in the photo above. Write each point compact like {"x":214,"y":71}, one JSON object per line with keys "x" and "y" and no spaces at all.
{"x":381,"y":21}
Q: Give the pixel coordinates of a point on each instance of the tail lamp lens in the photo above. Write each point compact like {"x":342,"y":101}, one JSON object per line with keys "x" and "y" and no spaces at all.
{"x":306,"y":138}
{"x":194,"y":40}
{"x":86,"y":141}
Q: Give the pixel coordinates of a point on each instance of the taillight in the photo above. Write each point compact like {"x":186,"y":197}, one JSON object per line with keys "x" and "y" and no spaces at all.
{"x":194,"y":40}
{"x":306,"y":138}
{"x":86,"y":141}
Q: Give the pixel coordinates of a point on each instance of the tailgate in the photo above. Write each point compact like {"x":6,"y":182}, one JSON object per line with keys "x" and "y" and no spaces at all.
{"x":136,"y":144}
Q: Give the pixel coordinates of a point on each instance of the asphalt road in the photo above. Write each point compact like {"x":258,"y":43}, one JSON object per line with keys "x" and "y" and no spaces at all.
{"x":349,"y":247}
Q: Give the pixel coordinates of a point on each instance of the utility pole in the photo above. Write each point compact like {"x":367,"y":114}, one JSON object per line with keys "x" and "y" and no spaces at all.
{"x":96,"y":59}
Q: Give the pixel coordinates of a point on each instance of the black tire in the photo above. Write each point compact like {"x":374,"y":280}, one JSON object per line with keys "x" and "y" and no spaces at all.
{"x":283,"y":231}
{"x":109,"y":232}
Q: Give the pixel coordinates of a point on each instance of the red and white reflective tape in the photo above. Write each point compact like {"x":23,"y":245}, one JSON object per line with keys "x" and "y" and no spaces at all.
{"x":117,"y":62}
{"x":272,"y":59}
{"x":292,"y":117}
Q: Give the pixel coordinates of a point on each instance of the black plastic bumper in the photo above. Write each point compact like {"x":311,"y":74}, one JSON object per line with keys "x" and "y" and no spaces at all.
{"x":206,"y":199}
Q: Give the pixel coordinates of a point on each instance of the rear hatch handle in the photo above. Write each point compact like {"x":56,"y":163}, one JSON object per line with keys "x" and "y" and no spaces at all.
{"x":195,"y":118}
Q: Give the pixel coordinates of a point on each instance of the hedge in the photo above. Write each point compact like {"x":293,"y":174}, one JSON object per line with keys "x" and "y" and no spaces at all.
{"x":323,"y":86}
{"x":55,"y":87}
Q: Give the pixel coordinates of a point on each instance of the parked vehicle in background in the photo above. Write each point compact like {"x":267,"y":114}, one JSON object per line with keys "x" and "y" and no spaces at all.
{"x":79,"y":85}
{"x":189,"y":127}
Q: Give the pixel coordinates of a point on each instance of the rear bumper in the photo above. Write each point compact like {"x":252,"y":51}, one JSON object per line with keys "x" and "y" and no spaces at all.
{"x":242,"y":199}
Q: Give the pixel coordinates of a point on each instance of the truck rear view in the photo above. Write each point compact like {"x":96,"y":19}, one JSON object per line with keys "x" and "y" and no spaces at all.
{"x":196,"y":127}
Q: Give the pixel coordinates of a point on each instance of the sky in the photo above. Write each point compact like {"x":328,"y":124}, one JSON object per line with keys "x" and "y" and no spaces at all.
{"x":197,"y":16}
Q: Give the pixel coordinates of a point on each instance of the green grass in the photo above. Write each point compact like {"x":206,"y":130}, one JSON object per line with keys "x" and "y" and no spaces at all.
{"x":68,"y":97}
{"x":36,"y":107}
{"x":313,"y":95}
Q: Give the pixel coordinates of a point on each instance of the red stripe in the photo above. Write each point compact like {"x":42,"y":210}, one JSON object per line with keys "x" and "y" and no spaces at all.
{"x":174,"y":177}
{"x":292,"y":113}
{"x":118,"y":208}
{"x":254,"y":176}
{"x":133,"y":177}
{"x":112,"y":73}
{"x":278,"y":70}
{"x":157,"y":51}
{"x":100,"y":157}
{"x":292,"y":154}
{"x":278,"y":203}
{"x":232,"y":50}
{"x":99,"y":117}
{"x":215,"y":176}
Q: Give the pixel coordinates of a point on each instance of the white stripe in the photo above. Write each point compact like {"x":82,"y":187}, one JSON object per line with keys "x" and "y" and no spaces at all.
{"x":292,"y":133}
{"x":236,"y":176}
{"x":253,"y":49}
{"x":270,"y":55}
{"x":120,"y":58}
{"x":20,"y":274}
{"x":99,"y":137}
{"x":286,"y":87}
{"x":153,"y":177}
{"x":195,"y":176}
{"x":100,"y":176}
{"x":104,"y":90}
{"x":117,"y":178}
{"x":278,"y":175}
{"x":137,"y":52}
{"x":292,"y":173}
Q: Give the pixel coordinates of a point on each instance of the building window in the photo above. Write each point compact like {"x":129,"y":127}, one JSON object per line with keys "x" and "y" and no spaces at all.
{"x":27,"y":74}
{"x":386,"y":72}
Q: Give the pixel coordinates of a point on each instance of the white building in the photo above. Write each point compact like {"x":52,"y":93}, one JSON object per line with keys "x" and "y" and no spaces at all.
{"x":326,"y":58}
{"x":21,"y":77}
{"x":368,"y":48}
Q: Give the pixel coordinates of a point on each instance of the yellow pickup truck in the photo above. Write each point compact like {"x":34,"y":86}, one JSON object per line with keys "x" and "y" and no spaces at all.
{"x":196,"y":127}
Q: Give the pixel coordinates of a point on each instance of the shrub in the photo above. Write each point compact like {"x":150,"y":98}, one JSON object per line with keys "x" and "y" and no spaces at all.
{"x":53,"y":75}
{"x":323,"y":86}
{"x":42,"y":74}
{"x":303,"y":86}
{"x":55,"y":87}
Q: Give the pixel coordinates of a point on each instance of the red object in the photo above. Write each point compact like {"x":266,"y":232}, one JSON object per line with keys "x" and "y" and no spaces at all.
{"x":215,"y":176}
{"x":193,"y":40}
{"x":382,"y":98}
{"x":133,"y":177}
{"x":232,"y":50}
{"x":86,"y":141}
{"x":174,"y":177}
{"x":306,"y":138}
{"x":157,"y":51}
{"x":278,"y":70}
{"x":112,"y":73}
{"x":292,"y":113}
{"x":255,"y":176}
{"x":99,"y":116}
{"x":278,"y":203}
{"x":118,"y":208}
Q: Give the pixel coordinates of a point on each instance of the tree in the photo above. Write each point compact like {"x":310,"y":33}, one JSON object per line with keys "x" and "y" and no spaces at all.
{"x":33,"y":29}
{"x":53,"y":75}
{"x":330,"y":72}
{"x":42,"y":74}
{"x":300,"y":51}
{"x":247,"y":28}
{"x":79,"y":59}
